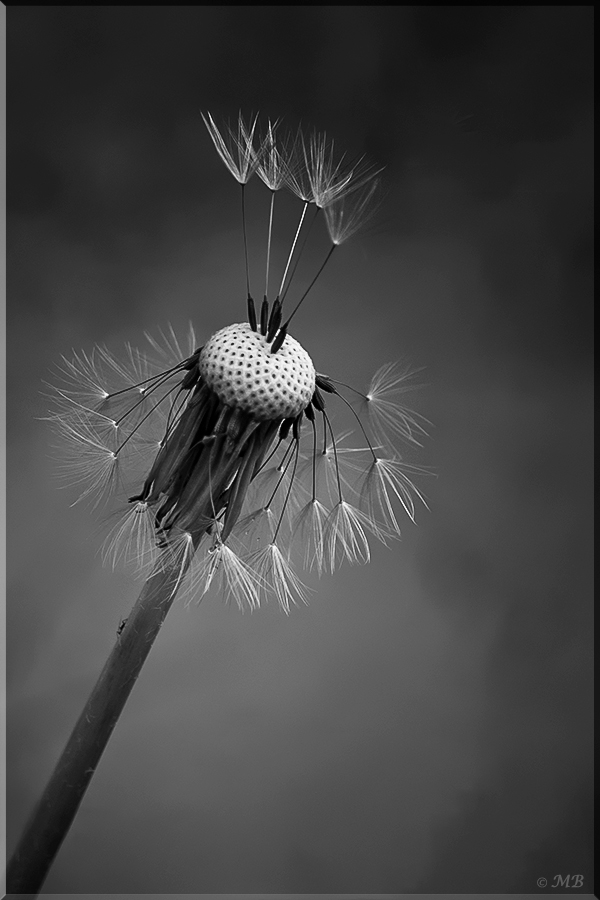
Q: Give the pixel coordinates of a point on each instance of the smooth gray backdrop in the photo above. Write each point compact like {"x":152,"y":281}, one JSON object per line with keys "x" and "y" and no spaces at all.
{"x":425,"y":723}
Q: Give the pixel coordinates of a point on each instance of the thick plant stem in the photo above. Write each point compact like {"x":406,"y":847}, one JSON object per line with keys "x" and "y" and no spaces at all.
{"x":58,"y":806}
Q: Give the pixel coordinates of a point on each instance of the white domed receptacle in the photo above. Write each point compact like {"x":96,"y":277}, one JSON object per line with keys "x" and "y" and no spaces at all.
{"x":237,"y":363}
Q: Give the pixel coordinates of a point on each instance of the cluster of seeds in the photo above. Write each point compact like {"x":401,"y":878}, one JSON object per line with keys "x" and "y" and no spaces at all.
{"x":246,"y":463}
{"x":237,"y":363}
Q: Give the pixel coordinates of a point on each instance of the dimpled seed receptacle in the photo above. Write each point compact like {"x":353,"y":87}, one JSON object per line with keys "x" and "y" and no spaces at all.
{"x":238,"y":365}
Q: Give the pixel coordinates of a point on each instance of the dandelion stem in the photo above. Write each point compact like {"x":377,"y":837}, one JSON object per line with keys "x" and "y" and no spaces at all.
{"x":287,"y":496}
{"x":299,"y":254}
{"x":282,"y":467}
{"x":269,"y":243}
{"x":146,"y":393}
{"x":335,"y":456}
{"x":52,"y":818}
{"x":142,"y":420}
{"x":293,"y":248}
{"x":269,"y":457}
{"x":314,"y":461}
{"x":245,"y":240}
{"x":350,"y":388}
{"x":297,"y":306}
{"x":360,"y":424}
{"x":159,"y":379}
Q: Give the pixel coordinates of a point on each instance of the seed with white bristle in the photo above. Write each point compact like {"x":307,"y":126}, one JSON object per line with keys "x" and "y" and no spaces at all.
{"x":237,"y":363}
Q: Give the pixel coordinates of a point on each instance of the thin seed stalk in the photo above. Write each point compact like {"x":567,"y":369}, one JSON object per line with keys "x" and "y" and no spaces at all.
{"x":54,"y":814}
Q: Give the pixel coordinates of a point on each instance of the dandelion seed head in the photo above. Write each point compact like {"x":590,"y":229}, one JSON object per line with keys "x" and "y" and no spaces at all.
{"x":327,"y":177}
{"x":277,"y":575}
{"x":273,"y":158}
{"x":238,"y":365}
{"x":389,"y":416}
{"x":133,"y":540}
{"x":345,"y":535}
{"x":227,"y":453}
{"x":256,"y":529}
{"x":308,"y":529}
{"x":347,"y":213}
{"x":236,"y":148}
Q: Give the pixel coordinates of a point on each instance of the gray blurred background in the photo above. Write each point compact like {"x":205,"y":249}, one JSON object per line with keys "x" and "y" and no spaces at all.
{"x":425,"y":723}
